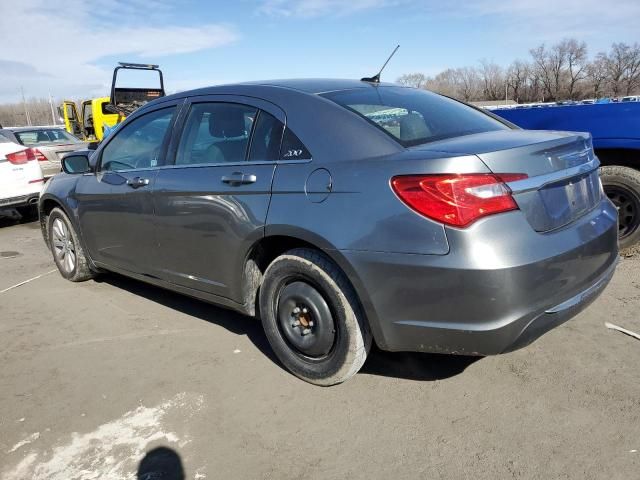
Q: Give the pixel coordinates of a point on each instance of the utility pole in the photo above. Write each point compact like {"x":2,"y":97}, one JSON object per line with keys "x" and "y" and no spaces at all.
{"x":24,"y":104}
{"x":506,"y":92}
{"x":53,"y":112}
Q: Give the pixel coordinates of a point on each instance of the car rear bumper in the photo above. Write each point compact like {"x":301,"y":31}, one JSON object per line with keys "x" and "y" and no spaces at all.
{"x":19,"y":201}
{"x":501,"y":286}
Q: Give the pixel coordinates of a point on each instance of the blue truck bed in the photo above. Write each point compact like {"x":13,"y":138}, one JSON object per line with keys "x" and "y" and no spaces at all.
{"x":612,"y":125}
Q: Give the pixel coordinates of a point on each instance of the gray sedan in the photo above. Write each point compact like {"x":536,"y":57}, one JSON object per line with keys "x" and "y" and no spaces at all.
{"x":340,"y":213}
{"x":49,"y":144}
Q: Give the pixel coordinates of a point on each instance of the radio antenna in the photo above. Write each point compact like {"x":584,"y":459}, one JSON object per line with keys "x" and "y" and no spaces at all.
{"x":376,"y":77}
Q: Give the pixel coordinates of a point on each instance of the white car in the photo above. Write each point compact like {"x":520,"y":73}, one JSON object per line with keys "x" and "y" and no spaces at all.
{"x":20,"y":178}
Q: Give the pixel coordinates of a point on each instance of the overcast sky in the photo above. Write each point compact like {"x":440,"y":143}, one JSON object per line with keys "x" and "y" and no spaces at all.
{"x":70,"y":47}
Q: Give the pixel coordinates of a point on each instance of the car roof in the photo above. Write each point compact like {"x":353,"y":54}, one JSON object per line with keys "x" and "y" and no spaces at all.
{"x":22,"y":129}
{"x":303,"y":85}
{"x":318,"y":85}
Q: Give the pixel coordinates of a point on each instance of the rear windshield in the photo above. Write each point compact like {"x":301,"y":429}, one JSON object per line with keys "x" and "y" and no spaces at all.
{"x":40,"y":137}
{"x":413,"y":116}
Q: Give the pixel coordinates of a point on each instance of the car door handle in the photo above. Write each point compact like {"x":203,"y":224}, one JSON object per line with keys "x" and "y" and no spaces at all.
{"x":137,"y":182}
{"x":239,"y":178}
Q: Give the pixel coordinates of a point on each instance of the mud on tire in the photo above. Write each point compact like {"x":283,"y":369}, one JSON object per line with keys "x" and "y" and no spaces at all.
{"x":338,"y":338}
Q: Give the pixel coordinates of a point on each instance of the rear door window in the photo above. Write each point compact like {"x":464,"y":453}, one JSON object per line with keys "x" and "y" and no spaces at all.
{"x":216,"y":133}
{"x":412,"y":116}
{"x":266,"y":139}
{"x":41,"y":137}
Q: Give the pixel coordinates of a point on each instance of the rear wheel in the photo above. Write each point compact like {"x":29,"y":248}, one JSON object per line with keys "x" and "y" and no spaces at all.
{"x":312,"y":318}
{"x":622,"y":186}
{"x":67,"y":251}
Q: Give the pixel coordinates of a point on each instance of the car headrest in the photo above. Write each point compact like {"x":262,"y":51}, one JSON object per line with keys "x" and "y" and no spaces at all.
{"x":412,"y":127}
{"x":229,"y":124}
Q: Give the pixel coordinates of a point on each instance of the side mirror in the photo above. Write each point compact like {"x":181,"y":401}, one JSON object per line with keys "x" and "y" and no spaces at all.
{"x":76,"y":163}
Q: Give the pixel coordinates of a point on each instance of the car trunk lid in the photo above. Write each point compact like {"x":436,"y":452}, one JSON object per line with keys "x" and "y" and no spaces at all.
{"x":563,"y":181}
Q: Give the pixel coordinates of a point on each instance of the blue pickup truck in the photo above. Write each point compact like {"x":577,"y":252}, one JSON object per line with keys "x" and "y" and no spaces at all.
{"x":615,"y":128}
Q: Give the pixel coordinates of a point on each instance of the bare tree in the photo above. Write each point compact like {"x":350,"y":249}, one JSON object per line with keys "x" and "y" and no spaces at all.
{"x":576,"y":59}
{"x":561,"y":71}
{"x":493,"y":80}
{"x":597,"y":75}
{"x":517,"y":76}
{"x":632,"y":70}
{"x":468,"y":83}
{"x":543,"y":68}
{"x":616,"y":62}
{"x":443,"y":83}
{"x":417,"y":80}
{"x":13,"y":114}
{"x":552,"y":65}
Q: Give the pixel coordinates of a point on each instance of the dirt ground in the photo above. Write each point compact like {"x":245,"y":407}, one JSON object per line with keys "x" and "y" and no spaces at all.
{"x":113,"y":379}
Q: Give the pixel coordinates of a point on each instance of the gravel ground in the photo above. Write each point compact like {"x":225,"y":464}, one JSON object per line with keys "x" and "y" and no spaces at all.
{"x":114,"y":379}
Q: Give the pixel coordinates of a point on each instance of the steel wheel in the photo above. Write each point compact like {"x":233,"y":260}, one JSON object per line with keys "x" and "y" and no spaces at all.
{"x":305,"y":319}
{"x":628,"y":206}
{"x":63,"y":246}
{"x":312,"y":317}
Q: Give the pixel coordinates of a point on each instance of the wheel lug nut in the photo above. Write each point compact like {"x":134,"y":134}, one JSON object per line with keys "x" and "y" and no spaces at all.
{"x":304,"y":310}
{"x":295,"y":324}
{"x":296,"y":310}
{"x":306,"y":331}
{"x":311,"y":323}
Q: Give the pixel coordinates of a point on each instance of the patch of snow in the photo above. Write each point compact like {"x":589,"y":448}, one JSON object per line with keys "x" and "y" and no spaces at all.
{"x":111,"y":451}
{"x":31,"y":438}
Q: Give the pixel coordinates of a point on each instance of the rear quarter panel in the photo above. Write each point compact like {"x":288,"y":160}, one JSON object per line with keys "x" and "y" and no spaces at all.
{"x":361,"y":213}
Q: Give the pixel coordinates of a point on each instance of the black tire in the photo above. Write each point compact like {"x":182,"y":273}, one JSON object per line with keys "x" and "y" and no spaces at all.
{"x":67,"y":248}
{"x":338,"y":340}
{"x":622,"y":186}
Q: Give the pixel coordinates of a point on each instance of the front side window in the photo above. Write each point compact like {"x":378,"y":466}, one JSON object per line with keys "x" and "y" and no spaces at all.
{"x":139,"y":143}
{"x":413,"y":116}
{"x":216,"y":133}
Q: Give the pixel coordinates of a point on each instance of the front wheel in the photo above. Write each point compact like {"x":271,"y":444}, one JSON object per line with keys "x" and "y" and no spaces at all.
{"x":65,"y":246}
{"x":622,"y":186}
{"x":312,"y":318}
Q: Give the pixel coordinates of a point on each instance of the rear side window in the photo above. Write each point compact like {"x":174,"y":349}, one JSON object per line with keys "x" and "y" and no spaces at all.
{"x":293,"y":148}
{"x":216,"y":133}
{"x":41,"y":137}
{"x":265,"y":141}
{"x":412,"y":116}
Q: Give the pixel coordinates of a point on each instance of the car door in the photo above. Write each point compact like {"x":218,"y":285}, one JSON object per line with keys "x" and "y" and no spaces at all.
{"x":72,"y":121}
{"x":211,"y":203}
{"x":115,"y":207}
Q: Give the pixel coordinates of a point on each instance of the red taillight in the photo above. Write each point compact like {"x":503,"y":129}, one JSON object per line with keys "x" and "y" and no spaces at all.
{"x":457,"y":199}
{"x":39,"y":156}
{"x":21,"y":157}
